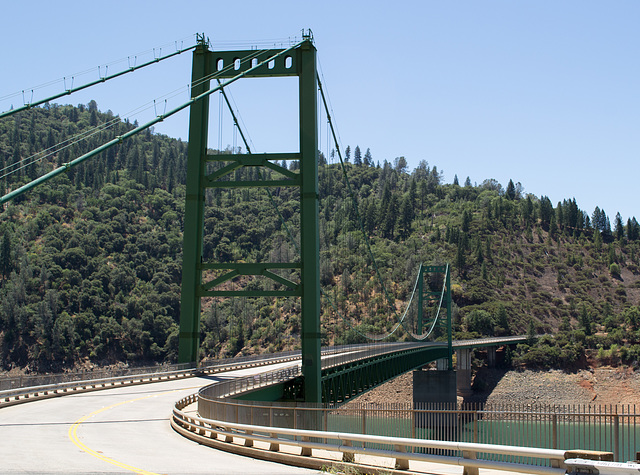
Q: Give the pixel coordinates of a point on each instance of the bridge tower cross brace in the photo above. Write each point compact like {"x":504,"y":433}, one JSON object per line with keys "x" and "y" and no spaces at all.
{"x":299,"y":61}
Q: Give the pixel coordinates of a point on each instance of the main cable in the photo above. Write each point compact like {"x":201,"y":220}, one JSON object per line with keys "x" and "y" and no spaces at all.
{"x":93,"y":83}
{"x":35,"y":158}
{"x":160,"y":118}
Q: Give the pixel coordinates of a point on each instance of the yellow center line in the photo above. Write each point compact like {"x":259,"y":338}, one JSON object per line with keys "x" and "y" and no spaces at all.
{"x":73,"y":433}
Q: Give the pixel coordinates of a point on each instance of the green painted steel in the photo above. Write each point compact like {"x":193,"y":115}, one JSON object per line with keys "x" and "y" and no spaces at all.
{"x":449,"y":321}
{"x":345,"y":381}
{"x":309,"y":224}
{"x":106,"y":78}
{"x":251,"y":72}
{"x":299,"y":60}
{"x":189,"y":336}
{"x":422,"y":294}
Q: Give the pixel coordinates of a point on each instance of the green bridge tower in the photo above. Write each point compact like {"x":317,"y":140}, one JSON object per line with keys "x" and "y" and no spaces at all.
{"x":298,"y":60}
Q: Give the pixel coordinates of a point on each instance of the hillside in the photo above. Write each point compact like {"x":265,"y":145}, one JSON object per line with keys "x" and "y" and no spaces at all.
{"x":90,"y":263}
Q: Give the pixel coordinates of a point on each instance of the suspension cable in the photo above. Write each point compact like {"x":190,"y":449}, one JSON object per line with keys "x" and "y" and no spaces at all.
{"x":367,"y":241}
{"x":295,"y":243}
{"x":139,"y":129}
{"x":27,"y":161}
{"x":93,"y":83}
{"x":262,"y":177}
{"x":444,"y":286}
{"x":353,"y":197}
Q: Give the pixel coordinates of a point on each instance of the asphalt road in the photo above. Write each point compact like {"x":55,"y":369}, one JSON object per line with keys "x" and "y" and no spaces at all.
{"x":122,"y":430}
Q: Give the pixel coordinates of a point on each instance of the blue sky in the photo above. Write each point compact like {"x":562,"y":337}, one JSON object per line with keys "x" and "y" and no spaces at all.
{"x":542,"y":92}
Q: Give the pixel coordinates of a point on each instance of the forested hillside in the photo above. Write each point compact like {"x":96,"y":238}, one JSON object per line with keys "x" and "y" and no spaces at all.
{"x":90,"y":262}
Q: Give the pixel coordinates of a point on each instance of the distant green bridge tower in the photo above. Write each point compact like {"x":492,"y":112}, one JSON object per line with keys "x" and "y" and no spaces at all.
{"x":429,"y":295}
{"x":298,"y":60}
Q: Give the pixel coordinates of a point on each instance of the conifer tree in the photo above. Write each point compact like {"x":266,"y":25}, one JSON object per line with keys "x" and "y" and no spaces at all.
{"x":406,"y":217}
{"x":619,"y":227}
{"x":357,"y":156}
{"x":511,"y":191}
{"x":5,"y":255}
{"x":368,"y":161}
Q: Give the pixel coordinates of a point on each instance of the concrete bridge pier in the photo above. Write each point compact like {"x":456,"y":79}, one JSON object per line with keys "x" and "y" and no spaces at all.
{"x":491,"y":356}
{"x":442,"y":364}
{"x":463,"y":372}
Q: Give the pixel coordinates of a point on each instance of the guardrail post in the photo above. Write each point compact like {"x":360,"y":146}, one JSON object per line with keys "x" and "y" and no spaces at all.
{"x":306,"y":451}
{"x":274,"y":446}
{"x":347,"y":456}
{"x":401,"y":463}
{"x":228,"y":438}
{"x":466,"y":469}
{"x":248,"y":441}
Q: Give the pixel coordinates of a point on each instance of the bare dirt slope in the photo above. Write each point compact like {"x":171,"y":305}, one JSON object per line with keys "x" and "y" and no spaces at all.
{"x":597,"y":386}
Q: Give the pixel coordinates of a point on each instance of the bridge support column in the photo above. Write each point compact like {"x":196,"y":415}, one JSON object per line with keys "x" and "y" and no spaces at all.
{"x":463,"y":371}
{"x":437,"y":387}
{"x":491,"y":356}
{"x":442,"y":364}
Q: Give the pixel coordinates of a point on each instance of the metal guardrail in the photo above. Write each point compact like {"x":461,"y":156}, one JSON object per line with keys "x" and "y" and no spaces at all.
{"x":22,"y":381}
{"x":26,"y":381}
{"x":22,"y":395}
{"x":490,"y":341}
{"x":16,"y":390}
{"x":341,"y":355}
{"x":222,"y":434}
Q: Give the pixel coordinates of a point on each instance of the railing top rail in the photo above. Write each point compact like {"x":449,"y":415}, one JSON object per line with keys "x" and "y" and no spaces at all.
{"x":409,"y":442}
{"x":160,"y":374}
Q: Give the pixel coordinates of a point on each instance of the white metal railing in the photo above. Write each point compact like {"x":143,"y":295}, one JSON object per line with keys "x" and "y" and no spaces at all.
{"x":222,"y":433}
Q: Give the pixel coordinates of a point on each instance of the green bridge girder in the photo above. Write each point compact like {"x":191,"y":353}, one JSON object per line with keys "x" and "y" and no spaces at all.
{"x":365,"y":369}
{"x":342,"y":382}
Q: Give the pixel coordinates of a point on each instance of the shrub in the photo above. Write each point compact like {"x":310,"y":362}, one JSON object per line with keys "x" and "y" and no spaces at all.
{"x":614,"y":270}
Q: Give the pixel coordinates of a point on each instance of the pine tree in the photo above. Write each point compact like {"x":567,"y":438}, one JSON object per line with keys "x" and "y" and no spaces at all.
{"x":585,"y":321}
{"x":511,"y":191}
{"x":391,"y":216}
{"x":406,"y":218}
{"x":546,"y":211}
{"x":633,"y":229}
{"x":6,"y":266}
{"x":413,"y":195}
{"x":597,"y":240}
{"x":347,"y":154}
{"x":619,"y":227}
{"x":502,"y":319}
{"x":368,"y":160}
{"x":531,"y":333}
{"x":357,"y":156}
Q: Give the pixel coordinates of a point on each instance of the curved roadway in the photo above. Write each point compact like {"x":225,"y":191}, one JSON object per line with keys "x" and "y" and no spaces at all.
{"x":122,"y":430}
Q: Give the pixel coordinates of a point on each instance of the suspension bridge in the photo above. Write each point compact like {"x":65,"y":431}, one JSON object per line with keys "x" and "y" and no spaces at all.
{"x":214,"y":72}
{"x":325,"y":375}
